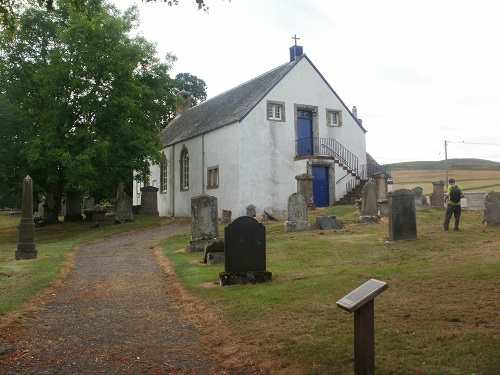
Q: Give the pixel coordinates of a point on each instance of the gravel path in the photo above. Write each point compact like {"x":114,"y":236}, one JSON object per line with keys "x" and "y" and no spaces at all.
{"x":115,"y":313}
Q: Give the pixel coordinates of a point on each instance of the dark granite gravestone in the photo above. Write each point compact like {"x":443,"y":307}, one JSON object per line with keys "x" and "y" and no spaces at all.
{"x":402,"y":215}
{"x":149,"y":201}
{"x":245,"y":253}
{"x":328,"y":222}
{"x":73,"y":206}
{"x":26,"y":248}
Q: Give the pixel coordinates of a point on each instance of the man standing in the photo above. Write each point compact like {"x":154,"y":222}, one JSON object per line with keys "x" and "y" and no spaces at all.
{"x":453,"y":196}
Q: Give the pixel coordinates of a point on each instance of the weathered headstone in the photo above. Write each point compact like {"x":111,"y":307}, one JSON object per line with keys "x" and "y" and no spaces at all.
{"x":328,"y":223}
{"x":123,"y":208}
{"x":251,"y":210}
{"x":226,"y":216}
{"x":272,"y":213}
{"x":369,"y":206}
{"x":73,"y":206}
{"x":437,"y":197}
{"x":97,"y":214}
{"x":492,"y":208}
{"x":204,"y":222}
{"x":214,"y":252}
{"x":26,"y":248}
{"x":297,"y":214}
{"x":305,"y":188}
{"x":417,"y":193}
{"x":381,"y":183}
{"x":88,"y":203}
{"x":245,"y":253}
{"x":473,"y":201}
{"x":149,"y":201}
{"x":402,"y":215}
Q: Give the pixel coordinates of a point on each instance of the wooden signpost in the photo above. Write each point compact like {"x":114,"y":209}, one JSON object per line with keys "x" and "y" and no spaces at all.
{"x":361,"y":302}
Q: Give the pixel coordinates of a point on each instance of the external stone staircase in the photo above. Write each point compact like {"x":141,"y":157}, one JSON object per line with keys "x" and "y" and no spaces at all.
{"x":353,"y":195}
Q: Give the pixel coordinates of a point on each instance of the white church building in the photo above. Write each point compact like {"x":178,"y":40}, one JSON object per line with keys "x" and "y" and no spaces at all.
{"x":247,"y":145}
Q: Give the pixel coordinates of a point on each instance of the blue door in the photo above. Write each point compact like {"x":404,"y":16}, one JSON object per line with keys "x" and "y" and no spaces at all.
{"x":304,"y":133}
{"x":321,"y":186}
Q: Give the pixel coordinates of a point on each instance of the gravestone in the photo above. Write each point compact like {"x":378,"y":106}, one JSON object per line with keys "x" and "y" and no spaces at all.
{"x":123,"y":208}
{"x":97,"y":214}
{"x":473,"y":201}
{"x":245,"y":253}
{"x":305,"y":188}
{"x":272,"y":213}
{"x":226,"y":216}
{"x":328,"y":223}
{"x":40,"y":210}
{"x":204,"y":222}
{"x":251,"y":210}
{"x":149,"y":201}
{"x":297,"y":214}
{"x":437,"y":197}
{"x":369,"y":207}
{"x":417,"y":193}
{"x":88,"y":203}
{"x":26,"y":248}
{"x":73,"y":206}
{"x":402,"y":215}
{"x":214,"y":252}
{"x":492,"y":208}
{"x":381,"y":183}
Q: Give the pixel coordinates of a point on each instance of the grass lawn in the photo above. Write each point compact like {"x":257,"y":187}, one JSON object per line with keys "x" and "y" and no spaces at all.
{"x":439,"y":315}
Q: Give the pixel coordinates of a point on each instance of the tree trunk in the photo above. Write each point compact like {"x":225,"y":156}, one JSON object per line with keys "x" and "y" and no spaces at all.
{"x":52,"y":204}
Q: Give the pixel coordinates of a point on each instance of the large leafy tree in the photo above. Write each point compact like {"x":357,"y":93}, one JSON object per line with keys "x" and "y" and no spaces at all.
{"x":81,"y":101}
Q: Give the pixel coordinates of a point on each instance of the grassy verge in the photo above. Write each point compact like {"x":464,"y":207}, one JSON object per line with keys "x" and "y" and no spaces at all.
{"x":439,"y":315}
{"x":22,"y":280}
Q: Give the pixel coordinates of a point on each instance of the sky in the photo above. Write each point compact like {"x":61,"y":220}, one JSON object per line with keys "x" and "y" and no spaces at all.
{"x":421,"y":73}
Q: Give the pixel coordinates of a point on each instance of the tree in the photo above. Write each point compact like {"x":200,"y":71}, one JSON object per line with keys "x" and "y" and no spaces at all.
{"x":196,"y":87}
{"x":81,"y":102}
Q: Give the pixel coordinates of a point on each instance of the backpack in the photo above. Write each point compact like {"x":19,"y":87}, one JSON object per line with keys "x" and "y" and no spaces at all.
{"x":455,"y":194}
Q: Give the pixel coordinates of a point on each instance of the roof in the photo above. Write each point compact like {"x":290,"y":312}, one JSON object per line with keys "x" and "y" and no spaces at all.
{"x":230,"y":106}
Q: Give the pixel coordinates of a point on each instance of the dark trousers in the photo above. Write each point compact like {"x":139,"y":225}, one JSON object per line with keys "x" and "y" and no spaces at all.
{"x":452,"y":209}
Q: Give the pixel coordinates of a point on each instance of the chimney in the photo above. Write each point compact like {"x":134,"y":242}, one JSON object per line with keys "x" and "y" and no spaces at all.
{"x":184,"y":102}
{"x":355,"y":111}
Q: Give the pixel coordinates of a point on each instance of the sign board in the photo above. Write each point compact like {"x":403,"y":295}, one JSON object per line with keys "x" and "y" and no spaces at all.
{"x":362,"y":295}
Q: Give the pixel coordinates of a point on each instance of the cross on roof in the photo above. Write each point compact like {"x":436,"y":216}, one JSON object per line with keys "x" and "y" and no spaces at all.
{"x":295,"y":37}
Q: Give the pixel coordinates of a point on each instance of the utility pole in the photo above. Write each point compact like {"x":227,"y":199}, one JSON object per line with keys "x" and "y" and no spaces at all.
{"x":446,"y":160}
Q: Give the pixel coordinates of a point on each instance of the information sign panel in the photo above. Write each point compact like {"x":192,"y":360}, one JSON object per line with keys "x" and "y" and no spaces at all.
{"x":362,"y":295}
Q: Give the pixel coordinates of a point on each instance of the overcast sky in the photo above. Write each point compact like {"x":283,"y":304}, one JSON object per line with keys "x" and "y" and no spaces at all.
{"x":419,"y":72}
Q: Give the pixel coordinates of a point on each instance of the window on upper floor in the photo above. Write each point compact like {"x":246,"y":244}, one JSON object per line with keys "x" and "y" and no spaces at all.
{"x":213,"y":177}
{"x":276,"y":111}
{"x":333,"y":118}
{"x":184,"y":169}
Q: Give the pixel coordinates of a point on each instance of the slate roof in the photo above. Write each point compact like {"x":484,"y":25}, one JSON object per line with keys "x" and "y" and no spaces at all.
{"x":228,"y":107}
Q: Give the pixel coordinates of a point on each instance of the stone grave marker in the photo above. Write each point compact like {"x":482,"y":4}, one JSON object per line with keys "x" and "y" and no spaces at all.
{"x":226,"y":216}
{"x":328,"y":223}
{"x":297,"y":214}
{"x":26,"y":248}
{"x":204,"y":222}
{"x":402,"y":215}
{"x":214,"y":252}
{"x":272,"y":213}
{"x":305,"y":188}
{"x":417,"y":193}
{"x":245,"y":253}
{"x":149,"y":201}
{"x":251,"y":210}
{"x":492,"y":208}
{"x":369,"y":208}
{"x":123,"y":208}
{"x":437,"y":197}
{"x":73,"y":205}
{"x":88,"y":203}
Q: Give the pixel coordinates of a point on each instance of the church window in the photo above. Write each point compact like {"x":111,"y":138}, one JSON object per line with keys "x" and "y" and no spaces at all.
{"x":276,"y":111}
{"x":213,"y":177}
{"x":163,"y":177}
{"x":184,"y":169}
{"x":333,"y":118}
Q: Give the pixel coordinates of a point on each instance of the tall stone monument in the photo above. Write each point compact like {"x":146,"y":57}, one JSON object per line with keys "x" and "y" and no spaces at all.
{"x":369,"y":205}
{"x":123,"y":210}
{"x":204,"y":222}
{"x":437,"y":197}
{"x":26,"y":248}
{"x":492,"y":208}
{"x":297,"y":214}
{"x":305,"y":188}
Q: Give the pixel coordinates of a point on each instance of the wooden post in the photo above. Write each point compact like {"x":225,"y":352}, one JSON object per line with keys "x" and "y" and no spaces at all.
{"x":364,"y":340}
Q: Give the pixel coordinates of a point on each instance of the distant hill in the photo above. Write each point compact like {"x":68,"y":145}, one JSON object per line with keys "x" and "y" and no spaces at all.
{"x":453,"y":164}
